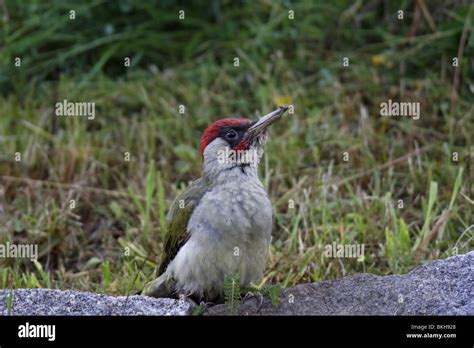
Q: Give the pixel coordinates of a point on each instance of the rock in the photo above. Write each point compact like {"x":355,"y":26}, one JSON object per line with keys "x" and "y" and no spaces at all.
{"x":57,"y":302}
{"x":443,"y":287}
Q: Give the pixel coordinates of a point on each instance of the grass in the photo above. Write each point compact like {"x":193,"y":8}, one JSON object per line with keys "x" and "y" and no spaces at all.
{"x":112,"y":240}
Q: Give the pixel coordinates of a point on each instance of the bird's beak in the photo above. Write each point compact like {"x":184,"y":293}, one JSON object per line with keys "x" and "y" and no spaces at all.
{"x":263,"y":122}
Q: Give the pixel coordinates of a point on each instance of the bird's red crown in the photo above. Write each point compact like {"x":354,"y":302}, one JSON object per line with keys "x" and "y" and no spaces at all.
{"x":212,"y":132}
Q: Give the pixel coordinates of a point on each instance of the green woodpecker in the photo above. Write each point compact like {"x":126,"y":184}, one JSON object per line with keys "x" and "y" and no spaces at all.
{"x":222,"y":223}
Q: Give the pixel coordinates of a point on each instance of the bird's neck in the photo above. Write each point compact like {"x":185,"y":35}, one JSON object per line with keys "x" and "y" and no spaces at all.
{"x":237,"y":174}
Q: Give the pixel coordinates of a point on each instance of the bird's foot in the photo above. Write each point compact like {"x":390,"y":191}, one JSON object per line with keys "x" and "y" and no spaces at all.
{"x":257,"y":296}
{"x":207,"y":304}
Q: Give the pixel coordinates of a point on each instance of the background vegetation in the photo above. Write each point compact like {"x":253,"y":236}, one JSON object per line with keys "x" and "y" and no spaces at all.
{"x":111,"y":241}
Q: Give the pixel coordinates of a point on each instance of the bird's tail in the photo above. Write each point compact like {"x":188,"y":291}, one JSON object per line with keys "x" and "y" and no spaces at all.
{"x":160,"y":287}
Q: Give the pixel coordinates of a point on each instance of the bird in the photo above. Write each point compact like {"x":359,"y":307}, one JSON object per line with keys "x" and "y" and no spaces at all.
{"x":222,"y":223}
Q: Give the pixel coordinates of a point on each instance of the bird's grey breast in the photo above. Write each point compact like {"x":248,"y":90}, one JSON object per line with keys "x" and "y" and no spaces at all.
{"x":232,"y":226}
{"x":230,"y":212}
{"x":230,"y":232}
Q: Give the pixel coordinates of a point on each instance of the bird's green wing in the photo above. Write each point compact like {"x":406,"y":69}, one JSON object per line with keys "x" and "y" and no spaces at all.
{"x":177,"y":221}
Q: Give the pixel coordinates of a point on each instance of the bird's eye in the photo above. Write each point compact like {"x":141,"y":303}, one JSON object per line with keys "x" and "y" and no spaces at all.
{"x":231,"y":135}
